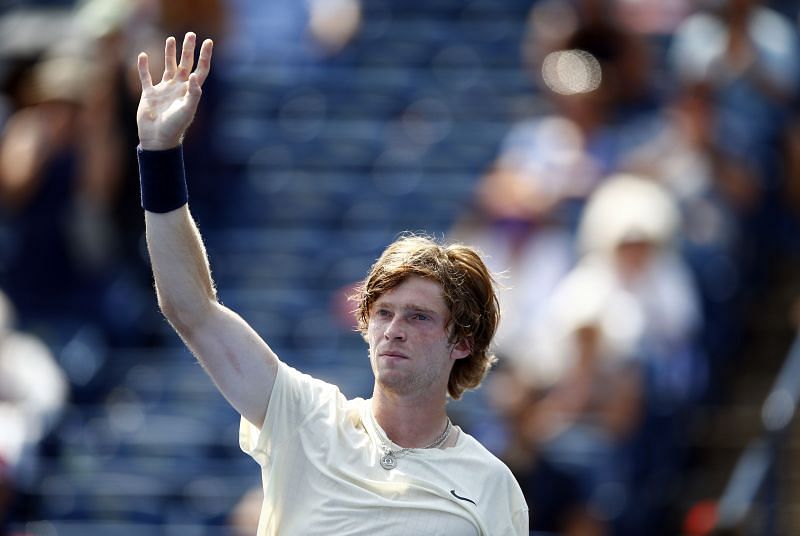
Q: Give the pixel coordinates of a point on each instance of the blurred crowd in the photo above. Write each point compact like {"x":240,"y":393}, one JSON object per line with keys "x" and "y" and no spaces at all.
{"x":630,"y":218}
{"x":74,"y":278}
{"x":72,"y":225}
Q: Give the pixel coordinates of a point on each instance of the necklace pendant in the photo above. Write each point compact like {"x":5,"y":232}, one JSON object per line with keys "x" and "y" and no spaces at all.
{"x":388,"y":461}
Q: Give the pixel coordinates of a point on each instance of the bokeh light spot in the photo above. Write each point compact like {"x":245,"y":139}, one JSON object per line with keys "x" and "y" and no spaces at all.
{"x":571,"y":71}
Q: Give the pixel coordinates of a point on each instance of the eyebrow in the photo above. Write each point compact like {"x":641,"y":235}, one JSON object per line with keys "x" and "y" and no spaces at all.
{"x":407,"y":307}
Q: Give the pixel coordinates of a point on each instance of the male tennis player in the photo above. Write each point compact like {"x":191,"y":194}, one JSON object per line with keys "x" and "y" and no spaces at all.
{"x":391,"y":465}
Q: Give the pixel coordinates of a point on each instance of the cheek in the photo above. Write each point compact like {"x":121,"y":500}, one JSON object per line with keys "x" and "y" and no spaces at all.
{"x":435,"y":342}
{"x":370,"y":327}
{"x":373,"y":333}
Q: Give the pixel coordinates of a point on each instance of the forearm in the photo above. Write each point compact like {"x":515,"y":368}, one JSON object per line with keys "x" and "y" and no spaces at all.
{"x":180,"y":267}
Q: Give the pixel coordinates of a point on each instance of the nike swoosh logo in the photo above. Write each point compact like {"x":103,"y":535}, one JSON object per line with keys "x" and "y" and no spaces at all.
{"x":457,"y":496}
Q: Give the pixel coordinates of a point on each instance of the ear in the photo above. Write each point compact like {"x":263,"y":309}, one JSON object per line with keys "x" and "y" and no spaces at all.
{"x":461,"y":349}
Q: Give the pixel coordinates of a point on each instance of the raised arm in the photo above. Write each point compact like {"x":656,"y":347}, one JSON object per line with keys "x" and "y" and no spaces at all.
{"x":240,"y":363}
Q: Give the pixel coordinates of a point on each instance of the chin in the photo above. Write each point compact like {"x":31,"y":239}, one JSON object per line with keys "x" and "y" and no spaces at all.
{"x":396,"y":383}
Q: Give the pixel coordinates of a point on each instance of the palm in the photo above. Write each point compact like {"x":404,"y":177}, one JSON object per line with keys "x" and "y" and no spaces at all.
{"x":167,"y":108}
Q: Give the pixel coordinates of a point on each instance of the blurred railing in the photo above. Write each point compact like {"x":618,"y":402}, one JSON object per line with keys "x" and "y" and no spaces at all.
{"x":753,"y":482}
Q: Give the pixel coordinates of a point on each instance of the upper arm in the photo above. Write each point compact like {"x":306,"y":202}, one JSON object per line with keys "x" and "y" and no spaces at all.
{"x":239,"y":361}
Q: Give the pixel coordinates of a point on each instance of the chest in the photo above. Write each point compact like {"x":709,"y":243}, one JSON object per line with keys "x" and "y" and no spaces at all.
{"x":336,"y":485}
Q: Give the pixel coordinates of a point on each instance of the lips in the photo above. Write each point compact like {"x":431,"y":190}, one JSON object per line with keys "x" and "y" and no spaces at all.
{"x":393,"y":355}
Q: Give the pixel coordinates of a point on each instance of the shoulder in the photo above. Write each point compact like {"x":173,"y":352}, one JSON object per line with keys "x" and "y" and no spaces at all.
{"x":492,"y":467}
{"x":290,"y":378}
{"x":304,"y":396}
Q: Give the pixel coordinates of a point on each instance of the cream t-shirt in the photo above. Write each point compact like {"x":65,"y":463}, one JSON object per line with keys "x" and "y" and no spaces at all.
{"x":319,"y":455}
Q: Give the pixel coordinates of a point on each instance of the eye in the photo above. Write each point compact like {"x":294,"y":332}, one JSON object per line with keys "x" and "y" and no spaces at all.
{"x":382,"y":313}
{"x":420,"y":316}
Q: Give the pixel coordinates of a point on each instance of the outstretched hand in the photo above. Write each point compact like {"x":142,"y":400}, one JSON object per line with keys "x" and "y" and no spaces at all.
{"x":166,"y":109}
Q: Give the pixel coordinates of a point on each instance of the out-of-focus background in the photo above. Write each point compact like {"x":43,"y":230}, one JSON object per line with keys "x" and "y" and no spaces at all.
{"x":630,"y":168}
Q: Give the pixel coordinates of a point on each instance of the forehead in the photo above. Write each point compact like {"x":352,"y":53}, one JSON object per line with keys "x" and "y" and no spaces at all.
{"x":415,"y":291}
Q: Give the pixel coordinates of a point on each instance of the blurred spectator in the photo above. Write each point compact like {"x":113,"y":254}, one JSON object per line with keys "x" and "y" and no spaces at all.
{"x":748,"y":54}
{"x":622,"y":68}
{"x":742,"y":59}
{"x":718,"y":192}
{"x":54,"y":193}
{"x":528,"y":204}
{"x":628,"y":237}
{"x":616,"y":350}
{"x":558,"y":503}
{"x":33,"y":391}
{"x":68,"y":173}
{"x":109,"y":40}
{"x":212,"y":185}
{"x":115,"y":31}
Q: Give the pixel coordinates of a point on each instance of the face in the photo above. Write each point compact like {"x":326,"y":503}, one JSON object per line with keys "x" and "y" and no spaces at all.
{"x":633,"y":257}
{"x":408,"y":342}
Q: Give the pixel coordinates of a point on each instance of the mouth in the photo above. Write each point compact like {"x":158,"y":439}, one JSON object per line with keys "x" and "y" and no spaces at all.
{"x":393,"y":355}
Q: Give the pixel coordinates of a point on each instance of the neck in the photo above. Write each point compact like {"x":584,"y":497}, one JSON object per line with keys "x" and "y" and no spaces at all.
{"x":409,"y":423}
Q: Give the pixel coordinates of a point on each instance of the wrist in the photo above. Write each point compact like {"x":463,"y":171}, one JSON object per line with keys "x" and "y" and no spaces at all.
{"x":162,"y":179}
{"x":159,"y":145}
{"x":151,"y":146}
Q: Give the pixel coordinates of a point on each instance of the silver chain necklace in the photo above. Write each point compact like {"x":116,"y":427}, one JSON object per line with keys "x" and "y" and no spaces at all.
{"x":389,"y":459}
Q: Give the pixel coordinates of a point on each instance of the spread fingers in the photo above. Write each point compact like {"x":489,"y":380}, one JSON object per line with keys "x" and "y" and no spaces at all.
{"x":187,"y":55}
{"x":204,"y":62}
{"x":143,"y":65}
{"x":170,"y":66}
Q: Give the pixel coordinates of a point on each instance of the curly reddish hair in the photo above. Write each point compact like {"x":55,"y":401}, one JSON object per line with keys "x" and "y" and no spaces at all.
{"x":468,"y":289}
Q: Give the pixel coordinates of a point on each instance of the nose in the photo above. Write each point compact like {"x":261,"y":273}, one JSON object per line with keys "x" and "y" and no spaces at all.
{"x":395,"y":331}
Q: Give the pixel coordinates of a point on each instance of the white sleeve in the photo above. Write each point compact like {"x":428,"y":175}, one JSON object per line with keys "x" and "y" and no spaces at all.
{"x":295,"y":398}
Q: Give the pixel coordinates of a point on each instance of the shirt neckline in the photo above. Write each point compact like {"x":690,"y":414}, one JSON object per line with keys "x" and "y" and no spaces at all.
{"x":380,"y":438}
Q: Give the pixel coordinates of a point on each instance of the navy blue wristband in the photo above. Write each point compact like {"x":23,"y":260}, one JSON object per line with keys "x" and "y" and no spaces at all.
{"x":162,"y":179}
